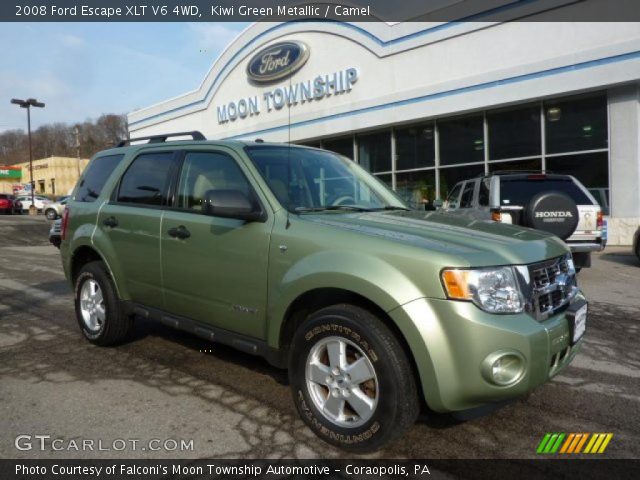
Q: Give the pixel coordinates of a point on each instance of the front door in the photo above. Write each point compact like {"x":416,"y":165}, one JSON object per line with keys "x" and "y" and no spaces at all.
{"x":131,"y":221}
{"x":216,"y":270}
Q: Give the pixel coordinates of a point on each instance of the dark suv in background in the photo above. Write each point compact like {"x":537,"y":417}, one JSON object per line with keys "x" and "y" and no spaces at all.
{"x":558,"y":204}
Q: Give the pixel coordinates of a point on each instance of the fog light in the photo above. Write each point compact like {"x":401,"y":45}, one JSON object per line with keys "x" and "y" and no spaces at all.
{"x":503,"y":368}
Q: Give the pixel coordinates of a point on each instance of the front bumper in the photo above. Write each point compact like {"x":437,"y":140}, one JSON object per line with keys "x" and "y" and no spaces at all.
{"x":450,"y":340}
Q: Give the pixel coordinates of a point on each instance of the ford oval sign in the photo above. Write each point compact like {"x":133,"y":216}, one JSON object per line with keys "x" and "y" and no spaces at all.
{"x":277,"y":61}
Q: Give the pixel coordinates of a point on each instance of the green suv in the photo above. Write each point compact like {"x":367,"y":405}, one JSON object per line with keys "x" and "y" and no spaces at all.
{"x":298,"y":255}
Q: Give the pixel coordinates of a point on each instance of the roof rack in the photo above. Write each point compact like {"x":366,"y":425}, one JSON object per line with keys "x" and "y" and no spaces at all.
{"x":195,"y":135}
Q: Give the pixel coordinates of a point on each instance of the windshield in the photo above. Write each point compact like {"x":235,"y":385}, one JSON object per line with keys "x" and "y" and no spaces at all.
{"x":306,"y":179}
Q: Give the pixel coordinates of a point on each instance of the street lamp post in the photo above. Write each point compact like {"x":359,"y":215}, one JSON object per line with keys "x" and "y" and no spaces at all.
{"x":28,"y":103}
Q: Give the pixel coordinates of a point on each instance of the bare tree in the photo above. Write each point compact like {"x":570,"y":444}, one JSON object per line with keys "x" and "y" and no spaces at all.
{"x":58,"y":139}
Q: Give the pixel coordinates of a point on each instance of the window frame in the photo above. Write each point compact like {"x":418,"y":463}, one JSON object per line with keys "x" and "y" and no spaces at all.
{"x":457,"y":197}
{"x":172,"y":170}
{"x":173,"y":193}
{"x":474,"y":190}
{"x":105,"y":185}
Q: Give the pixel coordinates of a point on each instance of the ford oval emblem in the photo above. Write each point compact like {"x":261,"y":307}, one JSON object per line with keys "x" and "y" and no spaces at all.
{"x":277,"y":61}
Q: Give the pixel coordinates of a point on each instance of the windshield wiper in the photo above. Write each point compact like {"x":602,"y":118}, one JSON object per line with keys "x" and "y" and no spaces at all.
{"x":352,"y":208}
{"x":390,"y":207}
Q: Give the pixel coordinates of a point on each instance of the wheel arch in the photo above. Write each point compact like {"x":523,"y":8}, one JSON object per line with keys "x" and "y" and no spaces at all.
{"x":84,"y":254}
{"x":313,"y":300}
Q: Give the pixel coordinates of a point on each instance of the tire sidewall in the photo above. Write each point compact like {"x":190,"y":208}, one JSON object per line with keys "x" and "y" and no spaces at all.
{"x":377,"y":428}
{"x":91,"y":272}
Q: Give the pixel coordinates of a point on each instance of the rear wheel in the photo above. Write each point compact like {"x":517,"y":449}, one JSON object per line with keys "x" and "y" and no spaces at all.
{"x":98,"y":311}
{"x":51,"y":214}
{"x":352,"y":382}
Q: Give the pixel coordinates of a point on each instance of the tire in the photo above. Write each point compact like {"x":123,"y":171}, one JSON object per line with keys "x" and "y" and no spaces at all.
{"x":375,"y":411}
{"x":102,"y":322}
{"x":51,"y":214}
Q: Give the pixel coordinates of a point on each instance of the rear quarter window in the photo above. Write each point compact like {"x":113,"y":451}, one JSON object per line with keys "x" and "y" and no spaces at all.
{"x":519,"y":191}
{"x":95,"y":177}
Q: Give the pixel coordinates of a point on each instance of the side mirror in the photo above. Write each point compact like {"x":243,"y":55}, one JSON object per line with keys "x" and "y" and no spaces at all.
{"x":231,"y":204}
{"x":438,"y":203}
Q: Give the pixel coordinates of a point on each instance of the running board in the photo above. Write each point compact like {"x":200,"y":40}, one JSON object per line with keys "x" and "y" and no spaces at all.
{"x":210,"y":333}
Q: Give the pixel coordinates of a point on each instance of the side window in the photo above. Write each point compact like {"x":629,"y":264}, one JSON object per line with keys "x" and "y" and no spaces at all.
{"x":204,"y":171}
{"x":483,"y":193}
{"x":466,"y":200}
{"x":146,"y":181}
{"x":95,"y":177}
{"x":452,"y":199}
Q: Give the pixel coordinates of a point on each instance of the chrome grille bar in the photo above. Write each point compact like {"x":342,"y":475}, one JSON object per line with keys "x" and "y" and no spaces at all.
{"x":553,"y":286}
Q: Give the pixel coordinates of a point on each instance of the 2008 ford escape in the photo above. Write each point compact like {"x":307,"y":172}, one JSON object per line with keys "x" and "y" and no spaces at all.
{"x":300,"y":256}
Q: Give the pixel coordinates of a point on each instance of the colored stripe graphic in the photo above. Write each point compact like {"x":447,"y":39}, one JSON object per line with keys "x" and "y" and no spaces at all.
{"x":573,"y":443}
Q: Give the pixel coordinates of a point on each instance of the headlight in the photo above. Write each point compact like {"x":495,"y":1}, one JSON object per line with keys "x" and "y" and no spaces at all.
{"x":494,"y":290}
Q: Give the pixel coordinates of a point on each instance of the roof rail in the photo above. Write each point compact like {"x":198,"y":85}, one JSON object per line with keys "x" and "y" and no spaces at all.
{"x":195,"y":135}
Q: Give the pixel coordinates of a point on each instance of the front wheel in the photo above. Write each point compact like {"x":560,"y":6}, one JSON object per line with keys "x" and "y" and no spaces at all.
{"x":51,"y":214}
{"x":98,"y":311}
{"x":352,"y":382}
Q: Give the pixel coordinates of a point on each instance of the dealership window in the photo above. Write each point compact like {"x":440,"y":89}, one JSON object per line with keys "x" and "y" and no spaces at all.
{"x":534,"y":164}
{"x":312,"y":144}
{"x":342,"y":146}
{"x":418,"y":189}
{"x":461,"y":140}
{"x":576,"y":124}
{"x":450,"y":176}
{"x":374,"y":151}
{"x":592,"y":169}
{"x":415,"y":147}
{"x":385,"y":178}
{"x":574,"y":140}
{"x":514,"y":133}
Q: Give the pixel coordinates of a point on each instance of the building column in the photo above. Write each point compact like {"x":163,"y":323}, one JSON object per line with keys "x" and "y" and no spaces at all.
{"x":624,"y":163}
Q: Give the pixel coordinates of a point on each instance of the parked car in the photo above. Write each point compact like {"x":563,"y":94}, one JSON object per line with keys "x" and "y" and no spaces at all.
{"x":10,"y":204}
{"x":40,"y":202}
{"x":54,"y":233}
{"x":558,"y":204}
{"x":55,"y":209}
{"x":300,"y":256}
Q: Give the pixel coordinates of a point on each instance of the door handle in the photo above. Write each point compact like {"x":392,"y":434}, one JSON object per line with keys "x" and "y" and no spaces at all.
{"x":179,"y":232}
{"x":110,"y":222}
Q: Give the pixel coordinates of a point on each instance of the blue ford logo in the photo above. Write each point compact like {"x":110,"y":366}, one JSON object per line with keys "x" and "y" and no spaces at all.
{"x":277,"y":61}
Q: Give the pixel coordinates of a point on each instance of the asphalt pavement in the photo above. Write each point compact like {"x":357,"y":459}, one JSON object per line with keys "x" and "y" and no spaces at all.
{"x":173,"y":387}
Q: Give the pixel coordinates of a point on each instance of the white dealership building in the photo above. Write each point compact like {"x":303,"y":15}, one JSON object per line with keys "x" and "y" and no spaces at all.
{"x":423,"y":105}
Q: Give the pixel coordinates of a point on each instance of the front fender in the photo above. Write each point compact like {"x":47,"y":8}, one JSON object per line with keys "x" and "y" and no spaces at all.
{"x":360,"y":273}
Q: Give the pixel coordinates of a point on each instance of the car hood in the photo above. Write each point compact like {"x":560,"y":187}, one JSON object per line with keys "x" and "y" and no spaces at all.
{"x":472,"y":242}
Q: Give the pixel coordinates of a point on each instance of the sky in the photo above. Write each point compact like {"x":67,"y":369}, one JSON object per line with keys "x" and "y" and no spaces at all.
{"x":82,"y":70}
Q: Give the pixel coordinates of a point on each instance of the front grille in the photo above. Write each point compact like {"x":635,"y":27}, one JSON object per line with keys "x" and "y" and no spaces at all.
{"x":553,"y":286}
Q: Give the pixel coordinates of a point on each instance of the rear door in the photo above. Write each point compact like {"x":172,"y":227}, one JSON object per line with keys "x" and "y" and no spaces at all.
{"x":131,"y":221}
{"x":218,"y":273}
